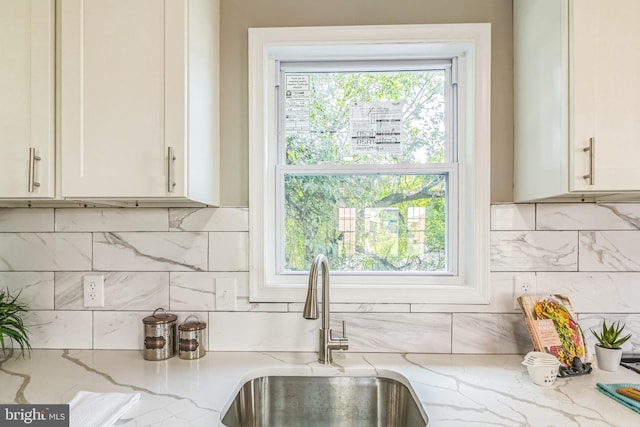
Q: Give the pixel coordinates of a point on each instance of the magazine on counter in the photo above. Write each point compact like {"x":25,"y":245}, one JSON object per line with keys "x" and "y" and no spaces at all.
{"x":553,"y":327}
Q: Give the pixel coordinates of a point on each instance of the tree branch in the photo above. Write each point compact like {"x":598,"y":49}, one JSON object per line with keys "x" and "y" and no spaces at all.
{"x":383,"y":261}
{"x":424,"y":193}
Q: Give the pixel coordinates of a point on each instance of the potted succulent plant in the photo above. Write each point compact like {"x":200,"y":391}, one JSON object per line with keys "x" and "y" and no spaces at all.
{"x":12,"y":329}
{"x":609,"y":347}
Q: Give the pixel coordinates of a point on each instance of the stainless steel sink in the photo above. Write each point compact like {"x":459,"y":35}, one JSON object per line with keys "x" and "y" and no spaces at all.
{"x":285,"y":401}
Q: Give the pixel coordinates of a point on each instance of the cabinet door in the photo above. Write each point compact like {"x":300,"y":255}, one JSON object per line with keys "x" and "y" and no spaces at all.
{"x":122,"y":105}
{"x":26,"y":99}
{"x":606,"y":94}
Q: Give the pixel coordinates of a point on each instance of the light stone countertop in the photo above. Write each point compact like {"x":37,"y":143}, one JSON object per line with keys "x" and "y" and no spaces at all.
{"x":455,"y":390}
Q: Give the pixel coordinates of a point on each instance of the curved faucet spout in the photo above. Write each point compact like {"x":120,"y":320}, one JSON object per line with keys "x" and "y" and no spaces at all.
{"x":311,"y":304}
{"x":327,"y":342}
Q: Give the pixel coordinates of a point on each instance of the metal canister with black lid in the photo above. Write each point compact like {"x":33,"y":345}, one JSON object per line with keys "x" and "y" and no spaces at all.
{"x":192,"y":338}
{"x":159,"y":335}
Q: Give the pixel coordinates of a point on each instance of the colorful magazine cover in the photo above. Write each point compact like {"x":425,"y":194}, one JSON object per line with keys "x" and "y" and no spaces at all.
{"x":553,"y":327}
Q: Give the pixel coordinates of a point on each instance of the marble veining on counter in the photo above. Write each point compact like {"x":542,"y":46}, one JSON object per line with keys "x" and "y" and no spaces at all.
{"x":455,"y":390}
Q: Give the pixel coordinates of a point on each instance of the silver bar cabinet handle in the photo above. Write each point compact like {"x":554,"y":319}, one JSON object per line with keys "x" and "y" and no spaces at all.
{"x":32,"y":170}
{"x":592,"y":160}
{"x":171,"y":157}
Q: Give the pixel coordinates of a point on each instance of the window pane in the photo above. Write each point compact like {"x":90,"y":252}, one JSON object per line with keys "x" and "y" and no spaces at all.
{"x":366,"y":222}
{"x":321,"y":109}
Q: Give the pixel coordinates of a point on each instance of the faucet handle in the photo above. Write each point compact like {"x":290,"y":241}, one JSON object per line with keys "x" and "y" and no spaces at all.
{"x":344,"y":341}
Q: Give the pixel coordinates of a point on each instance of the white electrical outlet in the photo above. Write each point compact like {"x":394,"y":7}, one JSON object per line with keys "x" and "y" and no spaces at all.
{"x":523,"y":285}
{"x":94,"y":291}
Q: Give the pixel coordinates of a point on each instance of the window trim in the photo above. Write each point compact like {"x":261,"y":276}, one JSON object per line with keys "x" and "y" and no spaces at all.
{"x":471,"y":43}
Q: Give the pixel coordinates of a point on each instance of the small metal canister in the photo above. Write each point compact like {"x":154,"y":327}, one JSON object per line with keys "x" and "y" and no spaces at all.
{"x":192,"y":339}
{"x":159,"y":335}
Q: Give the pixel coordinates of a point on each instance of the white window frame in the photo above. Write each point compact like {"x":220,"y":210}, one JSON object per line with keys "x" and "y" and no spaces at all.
{"x":471,"y":44}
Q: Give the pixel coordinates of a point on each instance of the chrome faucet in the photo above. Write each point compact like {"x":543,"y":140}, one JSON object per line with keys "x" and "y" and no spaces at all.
{"x":327,"y":342}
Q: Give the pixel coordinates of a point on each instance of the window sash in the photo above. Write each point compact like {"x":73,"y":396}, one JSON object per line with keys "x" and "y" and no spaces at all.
{"x":452,"y":212}
{"x":448,"y":64}
{"x":448,"y":167}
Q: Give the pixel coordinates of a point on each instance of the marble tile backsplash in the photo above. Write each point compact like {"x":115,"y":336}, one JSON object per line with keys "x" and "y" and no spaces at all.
{"x":176,"y":258}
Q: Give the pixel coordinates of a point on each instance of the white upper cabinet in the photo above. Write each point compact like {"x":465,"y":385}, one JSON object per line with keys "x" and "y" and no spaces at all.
{"x":577,"y":92}
{"x":139,"y":100}
{"x":27,"y":154}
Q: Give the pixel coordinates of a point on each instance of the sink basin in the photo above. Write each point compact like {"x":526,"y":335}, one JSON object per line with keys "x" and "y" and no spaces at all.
{"x":291,"y":401}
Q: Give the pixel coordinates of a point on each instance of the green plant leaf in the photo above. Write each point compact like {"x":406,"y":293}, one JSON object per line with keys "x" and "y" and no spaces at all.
{"x":609,"y":336}
{"x":11,"y":323}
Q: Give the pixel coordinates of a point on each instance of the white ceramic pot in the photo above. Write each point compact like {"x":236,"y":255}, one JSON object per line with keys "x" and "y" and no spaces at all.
{"x":608,"y":358}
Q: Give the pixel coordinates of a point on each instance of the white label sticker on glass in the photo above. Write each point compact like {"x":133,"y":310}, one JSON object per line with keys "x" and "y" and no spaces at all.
{"x":376,"y":127}
{"x":297,"y":104}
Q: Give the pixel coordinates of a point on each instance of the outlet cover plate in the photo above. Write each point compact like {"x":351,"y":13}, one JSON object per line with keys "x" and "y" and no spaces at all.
{"x":523,"y":284}
{"x":94,"y":291}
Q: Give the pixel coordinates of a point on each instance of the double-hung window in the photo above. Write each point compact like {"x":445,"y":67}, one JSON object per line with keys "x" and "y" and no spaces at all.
{"x":365,"y":149}
{"x":370,"y":147}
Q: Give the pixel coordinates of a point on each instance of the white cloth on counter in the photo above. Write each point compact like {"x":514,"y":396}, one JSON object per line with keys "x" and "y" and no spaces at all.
{"x":89,"y":409}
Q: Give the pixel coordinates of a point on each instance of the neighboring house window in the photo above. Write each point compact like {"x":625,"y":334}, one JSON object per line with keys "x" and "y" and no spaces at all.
{"x":416,"y":231}
{"x":347,"y":229}
{"x":371,"y":147}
